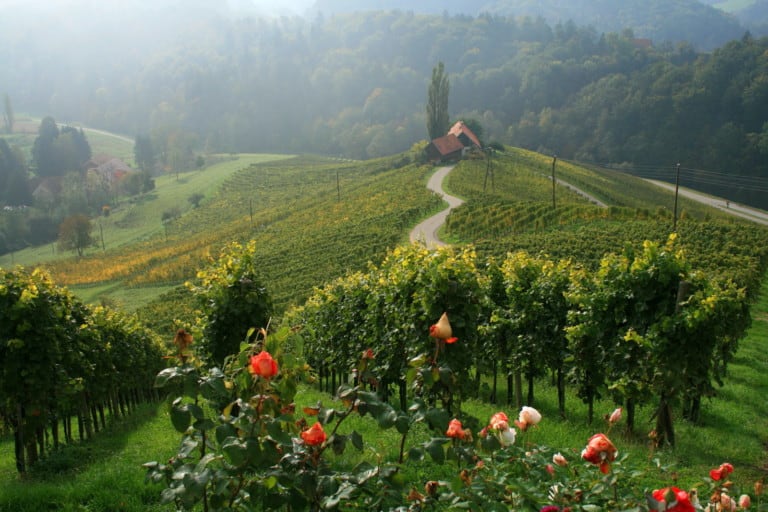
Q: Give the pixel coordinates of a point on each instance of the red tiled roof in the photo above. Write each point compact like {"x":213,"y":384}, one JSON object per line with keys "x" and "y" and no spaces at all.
{"x":460,"y":128}
{"x":448,"y":144}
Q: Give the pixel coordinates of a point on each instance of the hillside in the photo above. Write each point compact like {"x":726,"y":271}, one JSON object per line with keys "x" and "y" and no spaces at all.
{"x":354,"y":85}
{"x":693,"y":21}
{"x":315,"y":219}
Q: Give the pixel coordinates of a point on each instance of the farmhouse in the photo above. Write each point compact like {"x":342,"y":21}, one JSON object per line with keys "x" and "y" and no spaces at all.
{"x":453,"y":145}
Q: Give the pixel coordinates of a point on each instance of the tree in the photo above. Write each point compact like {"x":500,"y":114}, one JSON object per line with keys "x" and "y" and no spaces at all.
{"x":14,"y":186}
{"x":233,"y":300}
{"x":437,"y":103}
{"x":43,"y":150}
{"x":143,"y":153}
{"x":8,"y":115}
{"x":75,"y":234}
{"x":57,"y":152}
{"x":476,"y":127}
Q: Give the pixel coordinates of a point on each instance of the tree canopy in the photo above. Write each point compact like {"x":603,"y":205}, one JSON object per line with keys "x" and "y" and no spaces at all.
{"x":437,"y":103}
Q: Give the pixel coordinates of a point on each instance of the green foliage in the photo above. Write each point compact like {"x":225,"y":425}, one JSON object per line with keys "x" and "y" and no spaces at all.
{"x":527,"y":316}
{"x":244,"y":447}
{"x":389,"y":308}
{"x":57,"y":152}
{"x":630,"y":328}
{"x":645,"y":326}
{"x":232,"y":298}
{"x":195,"y":199}
{"x":437,"y":103}
{"x":13,"y":177}
{"x":75,"y":234}
{"x":143,"y":153}
{"x":58,"y":358}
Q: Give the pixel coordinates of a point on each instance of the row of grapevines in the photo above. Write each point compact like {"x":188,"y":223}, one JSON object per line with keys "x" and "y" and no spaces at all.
{"x":60,"y":359}
{"x":525,"y":316}
{"x":518,"y":174}
{"x":721,"y":249}
{"x":312,"y":218}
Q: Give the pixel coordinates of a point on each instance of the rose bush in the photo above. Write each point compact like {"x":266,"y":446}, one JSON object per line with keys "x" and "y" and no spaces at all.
{"x":245,"y":448}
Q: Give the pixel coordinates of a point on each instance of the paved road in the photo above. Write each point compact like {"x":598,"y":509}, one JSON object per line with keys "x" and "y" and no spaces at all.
{"x":426,"y":231}
{"x":759,"y":216}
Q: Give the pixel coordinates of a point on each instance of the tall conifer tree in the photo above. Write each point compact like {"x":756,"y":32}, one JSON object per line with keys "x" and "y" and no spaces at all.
{"x":437,"y":103}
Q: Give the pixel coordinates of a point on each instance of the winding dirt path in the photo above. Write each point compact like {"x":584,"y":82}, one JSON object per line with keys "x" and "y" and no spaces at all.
{"x":426,"y":231}
{"x":753,"y":214}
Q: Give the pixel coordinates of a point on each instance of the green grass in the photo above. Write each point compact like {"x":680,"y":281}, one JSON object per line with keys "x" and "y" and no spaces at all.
{"x":135,"y":219}
{"x":102,"y":143}
{"x":104,"y":474}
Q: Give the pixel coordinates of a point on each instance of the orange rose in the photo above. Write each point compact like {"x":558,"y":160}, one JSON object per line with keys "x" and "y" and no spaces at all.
{"x":315,"y":435}
{"x":601,"y":451}
{"x":263,"y":365}
{"x":455,"y":429}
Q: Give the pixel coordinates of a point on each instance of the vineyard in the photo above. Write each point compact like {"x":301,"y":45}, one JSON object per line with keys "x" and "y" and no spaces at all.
{"x":311,"y":218}
{"x":63,"y":360}
{"x":543,"y":302}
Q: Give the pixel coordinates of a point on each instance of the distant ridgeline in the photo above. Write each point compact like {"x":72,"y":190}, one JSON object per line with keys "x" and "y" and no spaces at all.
{"x":660,"y":20}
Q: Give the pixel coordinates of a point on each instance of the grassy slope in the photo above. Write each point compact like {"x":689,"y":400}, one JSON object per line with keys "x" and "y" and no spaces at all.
{"x":136,"y":219}
{"x":308,"y":230}
{"x":734,"y":423}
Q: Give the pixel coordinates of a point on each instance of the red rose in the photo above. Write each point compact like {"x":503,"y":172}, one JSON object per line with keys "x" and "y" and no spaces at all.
{"x":315,"y":435}
{"x":725,"y":469}
{"x":681,"y":503}
{"x":600,"y":451}
{"x":263,"y":365}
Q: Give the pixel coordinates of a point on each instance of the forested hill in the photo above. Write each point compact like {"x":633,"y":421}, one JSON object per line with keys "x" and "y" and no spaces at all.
{"x":356,"y":85}
{"x":661,"y":20}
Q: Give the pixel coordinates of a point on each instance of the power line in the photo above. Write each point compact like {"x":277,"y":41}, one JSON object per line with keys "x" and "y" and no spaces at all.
{"x":687,"y":174}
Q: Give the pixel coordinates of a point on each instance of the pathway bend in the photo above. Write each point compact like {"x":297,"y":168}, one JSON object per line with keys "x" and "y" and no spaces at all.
{"x":426,"y":231}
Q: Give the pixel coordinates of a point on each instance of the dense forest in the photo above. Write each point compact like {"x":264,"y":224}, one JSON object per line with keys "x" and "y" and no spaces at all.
{"x":355,"y":85}
{"x":661,"y":20}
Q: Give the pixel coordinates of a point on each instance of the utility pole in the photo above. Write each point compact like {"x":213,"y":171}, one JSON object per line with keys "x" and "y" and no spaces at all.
{"x":554,"y":182}
{"x":677,"y":189}
{"x":488,"y":169}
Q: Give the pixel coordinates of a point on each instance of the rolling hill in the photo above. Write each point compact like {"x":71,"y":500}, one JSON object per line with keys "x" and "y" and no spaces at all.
{"x":703,"y":25}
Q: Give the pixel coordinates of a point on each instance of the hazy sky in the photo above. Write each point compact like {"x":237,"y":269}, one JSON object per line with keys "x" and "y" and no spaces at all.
{"x":265,"y":6}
